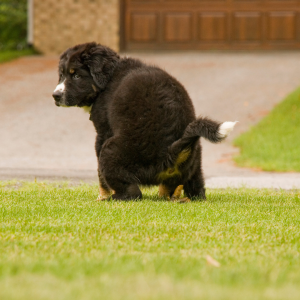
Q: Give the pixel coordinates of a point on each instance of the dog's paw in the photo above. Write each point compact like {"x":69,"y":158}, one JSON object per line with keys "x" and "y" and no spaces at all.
{"x":182,"y":200}
{"x":176,"y":196}
{"x":104,"y":194}
{"x":102,"y":198}
{"x":225,"y":128}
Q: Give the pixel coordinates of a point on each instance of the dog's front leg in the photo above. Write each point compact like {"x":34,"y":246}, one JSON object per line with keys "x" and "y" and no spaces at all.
{"x":104,"y":190}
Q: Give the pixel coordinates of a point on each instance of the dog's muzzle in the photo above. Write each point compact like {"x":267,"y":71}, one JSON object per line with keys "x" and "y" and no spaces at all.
{"x":57,"y":95}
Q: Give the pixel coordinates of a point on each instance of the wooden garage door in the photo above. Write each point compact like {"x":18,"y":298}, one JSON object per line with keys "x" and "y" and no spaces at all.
{"x":211,"y":24}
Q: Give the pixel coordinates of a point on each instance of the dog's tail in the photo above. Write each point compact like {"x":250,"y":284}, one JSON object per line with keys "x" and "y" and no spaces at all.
{"x":213,"y":131}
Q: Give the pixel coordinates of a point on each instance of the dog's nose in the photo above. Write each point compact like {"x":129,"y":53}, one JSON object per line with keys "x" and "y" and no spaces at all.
{"x":57,"y":95}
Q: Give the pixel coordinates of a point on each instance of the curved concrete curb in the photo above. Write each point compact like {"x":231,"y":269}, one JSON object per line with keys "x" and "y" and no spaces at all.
{"x":276,"y":181}
{"x":284,"y":181}
{"x":48,"y":174}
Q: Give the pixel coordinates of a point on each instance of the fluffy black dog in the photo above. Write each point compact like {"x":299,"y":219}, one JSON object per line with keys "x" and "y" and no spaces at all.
{"x":147,"y":132}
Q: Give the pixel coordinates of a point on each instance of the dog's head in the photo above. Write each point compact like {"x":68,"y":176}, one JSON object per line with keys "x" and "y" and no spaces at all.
{"x":84,"y":71}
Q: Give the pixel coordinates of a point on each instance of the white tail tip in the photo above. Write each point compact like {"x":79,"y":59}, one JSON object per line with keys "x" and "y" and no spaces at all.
{"x":226,"y":128}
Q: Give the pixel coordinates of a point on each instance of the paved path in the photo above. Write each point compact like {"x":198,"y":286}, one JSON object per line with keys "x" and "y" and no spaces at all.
{"x":38,"y":139}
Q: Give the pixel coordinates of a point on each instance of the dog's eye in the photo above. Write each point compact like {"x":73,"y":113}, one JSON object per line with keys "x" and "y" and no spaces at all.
{"x":76,"y":76}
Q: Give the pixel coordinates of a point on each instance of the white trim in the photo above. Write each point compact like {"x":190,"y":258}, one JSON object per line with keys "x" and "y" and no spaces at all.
{"x":30,"y":22}
{"x":60,"y":87}
{"x":226,"y":128}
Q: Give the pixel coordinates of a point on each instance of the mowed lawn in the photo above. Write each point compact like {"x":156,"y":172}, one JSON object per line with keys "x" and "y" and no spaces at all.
{"x":56,"y":242}
{"x":274,"y":143}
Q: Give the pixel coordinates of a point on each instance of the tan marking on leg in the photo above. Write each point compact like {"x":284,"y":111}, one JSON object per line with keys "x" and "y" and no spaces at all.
{"x":174,"y":171}
{"x":183,"y":156}
{"x":103,"y":194}
{"x":176,"y":196}
{"x":177,"y":191}
{"x":163,"y":191}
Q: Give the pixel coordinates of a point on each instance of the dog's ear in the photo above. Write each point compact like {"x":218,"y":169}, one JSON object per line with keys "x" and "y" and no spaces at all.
{"x":101,"y":62}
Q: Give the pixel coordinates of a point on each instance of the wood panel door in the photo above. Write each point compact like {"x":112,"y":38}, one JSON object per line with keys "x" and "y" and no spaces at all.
{"x":210,"y":24}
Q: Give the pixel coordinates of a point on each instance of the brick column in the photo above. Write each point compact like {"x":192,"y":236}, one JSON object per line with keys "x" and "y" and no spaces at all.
{"x":60,"y":24}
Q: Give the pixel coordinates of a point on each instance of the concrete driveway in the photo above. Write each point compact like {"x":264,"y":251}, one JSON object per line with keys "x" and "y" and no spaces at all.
{"x":40,"y":140}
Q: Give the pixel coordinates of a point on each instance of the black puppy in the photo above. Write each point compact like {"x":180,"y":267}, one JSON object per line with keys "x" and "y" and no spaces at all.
{"x":147,"y":132}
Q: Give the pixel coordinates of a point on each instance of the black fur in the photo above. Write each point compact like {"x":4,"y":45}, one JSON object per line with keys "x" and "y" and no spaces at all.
{"x":144,"y":121}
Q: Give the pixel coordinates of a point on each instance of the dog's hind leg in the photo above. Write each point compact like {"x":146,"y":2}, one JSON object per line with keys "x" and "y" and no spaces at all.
{"x":194,"y":187}
{"x":122,"y":183}
{"x":126,"y":191}
{"x":115,"y":169}
{"x":164,"y":191}
{"x":172,"y":194}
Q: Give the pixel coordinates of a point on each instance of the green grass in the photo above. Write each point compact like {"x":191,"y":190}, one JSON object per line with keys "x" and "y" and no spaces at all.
{"x":56,"y":242}
{"x":274,"y":143}
{"x":8,"y":55}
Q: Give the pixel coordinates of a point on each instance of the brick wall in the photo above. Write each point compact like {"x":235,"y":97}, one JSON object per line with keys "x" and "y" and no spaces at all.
{"x":59,"y":24}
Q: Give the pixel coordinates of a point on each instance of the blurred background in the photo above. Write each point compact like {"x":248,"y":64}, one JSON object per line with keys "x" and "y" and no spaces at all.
{"x":13,"y":24}
{"x":15,"y":29}
{"x":236,"y":58}
{"x":51,"y":26}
